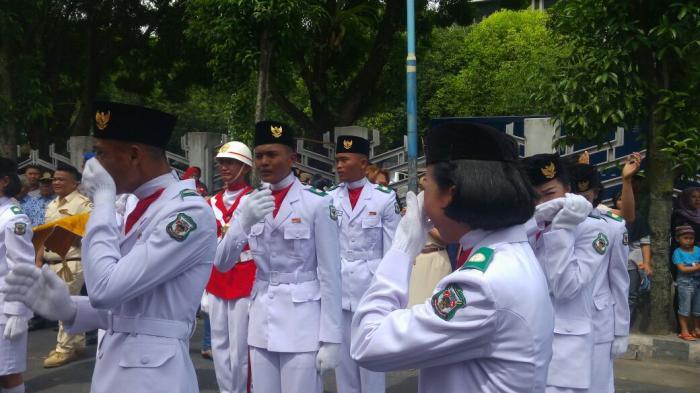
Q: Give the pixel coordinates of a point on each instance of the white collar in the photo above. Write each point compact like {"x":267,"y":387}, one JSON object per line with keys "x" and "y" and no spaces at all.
{"x":151,"y":186}
{"x":4,"y":200}
{"x":284,"y":183}
{"x":352,"y":185}
{"x":471,"y":238}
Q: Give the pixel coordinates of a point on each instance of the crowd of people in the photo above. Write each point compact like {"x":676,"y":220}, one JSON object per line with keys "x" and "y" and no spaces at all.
{"x":503,"y":274}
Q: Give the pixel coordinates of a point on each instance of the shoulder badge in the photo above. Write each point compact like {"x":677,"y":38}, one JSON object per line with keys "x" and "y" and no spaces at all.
{"x":448,"y":301}
{"x":15,"y":210}
{"x":316,"y":191}
{"x":20,"y":228}
{"x":188,"y":193}
{"x":332,"y":188}
{"x":625,"y":238}
{"x":181,"y":227}
{"x":384,"y":189}
{"x":613,"y":216}
{"x":397,"y":208}
{"x":333,"y":213}
{"x":480,"y":260}
{"x":600,"y":244}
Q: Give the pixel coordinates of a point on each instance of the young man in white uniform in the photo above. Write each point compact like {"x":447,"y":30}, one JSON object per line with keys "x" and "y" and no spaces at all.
{"x":295,"y":315}
{"x":144,"y":279}
{"x":367,"y":215}
{"x":15,"y":248}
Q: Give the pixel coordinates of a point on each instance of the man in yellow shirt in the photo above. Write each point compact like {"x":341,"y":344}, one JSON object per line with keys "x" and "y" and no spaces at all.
{"x":68,"y":202}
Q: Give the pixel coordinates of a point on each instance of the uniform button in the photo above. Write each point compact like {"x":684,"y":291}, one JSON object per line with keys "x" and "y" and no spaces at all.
{"x":145,"y":360}
{"x":271,"y":296}
{"x":297,"y":236}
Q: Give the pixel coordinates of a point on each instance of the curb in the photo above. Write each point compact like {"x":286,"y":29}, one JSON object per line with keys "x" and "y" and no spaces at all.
{"x":669,"y":347}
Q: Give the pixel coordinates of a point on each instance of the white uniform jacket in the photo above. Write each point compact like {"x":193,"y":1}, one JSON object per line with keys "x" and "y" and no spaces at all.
{"x":15,"y":247}
{"x":487,"y":328}
{"x":366,"y":233}
{"x":570,"y":260}
{"x":295,"y":302}
{"x":612,"y":317}
{"x":144,"y":289}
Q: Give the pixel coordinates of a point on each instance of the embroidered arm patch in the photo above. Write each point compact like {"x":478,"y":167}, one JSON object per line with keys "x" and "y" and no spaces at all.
{"x":448,"y":301}
{"x":181,"y":227}
{"x":600,"y":244}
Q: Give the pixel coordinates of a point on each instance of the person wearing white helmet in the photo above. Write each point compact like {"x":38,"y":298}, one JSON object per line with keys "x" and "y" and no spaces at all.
{"x":228,"y":293}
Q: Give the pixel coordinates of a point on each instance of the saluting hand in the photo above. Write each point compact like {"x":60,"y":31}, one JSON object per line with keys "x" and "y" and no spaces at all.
{"x":576,"y":209}
{"x":254,"y":208}
{"x":413,"y":228}
{"x":98,"y":184}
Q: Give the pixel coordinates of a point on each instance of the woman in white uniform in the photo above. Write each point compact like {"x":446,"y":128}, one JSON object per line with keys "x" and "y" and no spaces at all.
{"x":15,"y":247}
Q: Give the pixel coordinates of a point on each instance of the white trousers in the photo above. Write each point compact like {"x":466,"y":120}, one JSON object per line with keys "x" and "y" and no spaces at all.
{"x":602,"y":378}
{"x":229,"y":342}
{"x":349,"y":377}
{"x":282,"y":372}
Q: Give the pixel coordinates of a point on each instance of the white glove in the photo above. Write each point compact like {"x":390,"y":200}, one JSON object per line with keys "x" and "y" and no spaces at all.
{"x":41,"y":290}
{"x":98,"y":184}
{"x":254,"y":208}
{"x":545,"y":212}
{"x":327,"y":357}
{"x":412,"y":231}
{"x":204,"y":303}
{"x":15,"y":326}
{"x":619,"y":346}
{"x":576,"y":209}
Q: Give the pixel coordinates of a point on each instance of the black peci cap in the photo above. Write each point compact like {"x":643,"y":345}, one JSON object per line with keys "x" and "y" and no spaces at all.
{"x":352,"y":144}
{"x":131,"y":123}
{"x":584,"y":177}
{"x":542,"y":168}
{"x":267,"y":132}
{"x":468,"y":141}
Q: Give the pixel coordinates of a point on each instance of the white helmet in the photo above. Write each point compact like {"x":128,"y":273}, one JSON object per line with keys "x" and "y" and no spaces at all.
{"x":236,"y":150}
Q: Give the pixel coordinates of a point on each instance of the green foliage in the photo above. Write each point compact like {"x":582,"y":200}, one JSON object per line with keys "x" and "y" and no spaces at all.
{"x":492,"y":67}
{"x":631,"y":63}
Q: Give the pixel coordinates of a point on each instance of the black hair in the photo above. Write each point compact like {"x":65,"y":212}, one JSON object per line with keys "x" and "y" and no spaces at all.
{"x":14,"y":187}
{"x":488,"y":194}
{"x":32,"y":166}
{"x":70,"y":169}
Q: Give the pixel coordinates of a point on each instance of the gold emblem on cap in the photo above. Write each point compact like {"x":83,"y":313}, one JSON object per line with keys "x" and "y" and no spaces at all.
{"x":549,"y":171}
{"x":224,"y":148}
{"x":347,"y":144}
{"x":276,"y":131}
{"x":583,"y":185}
{"x":102,"y":119}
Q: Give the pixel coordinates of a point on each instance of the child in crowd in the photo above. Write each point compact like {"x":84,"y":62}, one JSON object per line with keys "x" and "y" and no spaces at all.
{"x":687,"y":259}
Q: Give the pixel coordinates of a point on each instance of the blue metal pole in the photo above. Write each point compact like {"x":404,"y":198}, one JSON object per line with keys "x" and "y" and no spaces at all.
{"x":411,"y":99}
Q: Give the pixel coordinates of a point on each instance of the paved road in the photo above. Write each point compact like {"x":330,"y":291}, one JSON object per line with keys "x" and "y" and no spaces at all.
{"x":631,"y":376}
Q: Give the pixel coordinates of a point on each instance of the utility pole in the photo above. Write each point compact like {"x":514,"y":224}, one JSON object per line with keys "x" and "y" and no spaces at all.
{"x":411,"y":98}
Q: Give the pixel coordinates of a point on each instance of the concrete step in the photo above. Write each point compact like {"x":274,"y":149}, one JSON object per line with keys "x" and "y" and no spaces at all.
{"x":662,"y":347}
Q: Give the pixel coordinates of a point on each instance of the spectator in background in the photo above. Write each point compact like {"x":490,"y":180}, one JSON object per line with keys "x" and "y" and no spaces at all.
{"x":305,"y":178}
{"x":195,"y":173}
{"x":35,"y":207}
{"x":378,"y":175}
{"x":23,"y":195}
{"x":320,"y":182}
{"x":33,"y":173}
{"x":688,"y":211}
{"x":687,"y":258}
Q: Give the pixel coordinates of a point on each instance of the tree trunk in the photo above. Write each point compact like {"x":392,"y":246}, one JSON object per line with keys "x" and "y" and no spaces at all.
{"x":83,"y":121}
{"x":660,"y":208}
{"x":8,"y":135}
{"x":263,"y":77}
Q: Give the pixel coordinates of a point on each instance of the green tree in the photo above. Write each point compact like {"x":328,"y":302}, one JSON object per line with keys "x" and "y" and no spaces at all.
{"x":634,"y":63}
{"x":327,"y":57}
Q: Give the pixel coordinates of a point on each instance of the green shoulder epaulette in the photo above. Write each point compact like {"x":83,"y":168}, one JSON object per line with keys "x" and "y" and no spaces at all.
{"x":316,"y":191}
{"x":15,"y":210}
{"x":332,"y":188}
{"x":188,"y":193}
{"x":480,"y":260}
{"x":384,"y":189}
{"x":613,"y":216}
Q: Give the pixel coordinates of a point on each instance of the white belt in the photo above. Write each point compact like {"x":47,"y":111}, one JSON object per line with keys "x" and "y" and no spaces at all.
{"x":276,"y":278}
{"x":350,"y":255}
{"x":149,"y":326}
